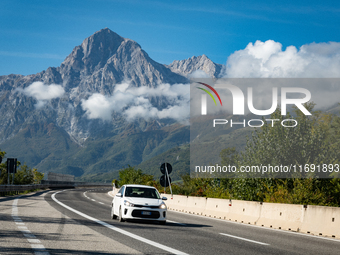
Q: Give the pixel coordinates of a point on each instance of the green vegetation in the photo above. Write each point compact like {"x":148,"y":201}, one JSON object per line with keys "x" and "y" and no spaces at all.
{"x":24,"y":174}
{"x":46,"y":146}
{"x":316,"y":140}
{"x":130,"y":175}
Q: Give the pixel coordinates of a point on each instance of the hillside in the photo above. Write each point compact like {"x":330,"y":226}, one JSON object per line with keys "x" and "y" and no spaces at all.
{"x":107,"y":105}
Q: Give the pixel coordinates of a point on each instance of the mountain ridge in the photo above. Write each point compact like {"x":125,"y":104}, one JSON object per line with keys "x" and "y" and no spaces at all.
{"x":60,"y":135}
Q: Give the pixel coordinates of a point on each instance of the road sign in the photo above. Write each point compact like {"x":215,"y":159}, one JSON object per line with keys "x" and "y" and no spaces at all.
{"x":11,"y":165}
{"x":164,"y":181}
{"x":168,"y":167}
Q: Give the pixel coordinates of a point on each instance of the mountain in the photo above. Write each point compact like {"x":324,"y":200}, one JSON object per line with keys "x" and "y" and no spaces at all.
{"x":105,"y":59}
{"x":187,"y":66}
{"x":56,"y":133}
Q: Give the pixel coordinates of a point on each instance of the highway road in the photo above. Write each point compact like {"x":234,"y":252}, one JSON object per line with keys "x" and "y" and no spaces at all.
{"x":78,"y":221}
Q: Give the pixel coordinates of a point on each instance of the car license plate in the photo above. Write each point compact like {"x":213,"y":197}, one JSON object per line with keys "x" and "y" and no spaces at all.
{"x":146,"y":213}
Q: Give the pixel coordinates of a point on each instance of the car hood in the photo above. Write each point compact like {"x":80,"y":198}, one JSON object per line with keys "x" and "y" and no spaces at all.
{"x":143,"y":201}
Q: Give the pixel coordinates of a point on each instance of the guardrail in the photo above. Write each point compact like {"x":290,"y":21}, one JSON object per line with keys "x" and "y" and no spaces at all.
{"x":16,"y":189}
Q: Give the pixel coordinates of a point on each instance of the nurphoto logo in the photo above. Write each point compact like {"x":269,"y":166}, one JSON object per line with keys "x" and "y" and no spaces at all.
{"x":289,"y":96}
{"x":239,"y":99}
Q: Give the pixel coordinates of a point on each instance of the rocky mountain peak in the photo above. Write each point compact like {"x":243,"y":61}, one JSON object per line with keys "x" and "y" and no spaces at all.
{"x":93,"y":53}
{"x":107,"y":58}
{"x":187,"y":66}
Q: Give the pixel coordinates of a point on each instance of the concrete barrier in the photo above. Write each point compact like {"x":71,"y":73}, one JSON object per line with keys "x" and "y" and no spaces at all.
{"x":321,"y":221}
{"x":281,"y":216}
{"x":217,"y":208}
{"x":245,"y":211}
{"x":177,"y":203}
{"x":316,"y":220}
{"x":196,"y":205}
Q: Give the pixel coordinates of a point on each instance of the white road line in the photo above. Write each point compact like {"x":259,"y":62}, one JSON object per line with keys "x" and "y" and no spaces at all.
{"x":124,"y":232}
{"x":182,"y":224}
{"x":36,"y":245}
{"x":100,"y":203}
{"x":93,"y":200}
{"x":256,"y":226}
{"x":244,"y":239}
{"x":33,"y":241}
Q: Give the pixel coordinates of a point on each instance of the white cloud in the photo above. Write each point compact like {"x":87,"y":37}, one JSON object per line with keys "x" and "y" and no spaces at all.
{"x":267,"y":59}
{"x":134,"y":102}
{"x":42,"y":92}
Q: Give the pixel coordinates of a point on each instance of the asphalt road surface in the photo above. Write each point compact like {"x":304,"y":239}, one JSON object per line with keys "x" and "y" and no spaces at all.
{"x":78,"y":221}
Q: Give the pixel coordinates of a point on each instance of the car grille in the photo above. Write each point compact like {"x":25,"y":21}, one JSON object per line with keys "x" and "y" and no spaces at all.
{"x":138,"y":213}
{"x":147,"y":206}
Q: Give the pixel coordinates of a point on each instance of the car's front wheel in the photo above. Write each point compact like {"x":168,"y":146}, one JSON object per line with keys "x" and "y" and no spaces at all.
{"x":120,"y":218}
{"x":113,"y":216}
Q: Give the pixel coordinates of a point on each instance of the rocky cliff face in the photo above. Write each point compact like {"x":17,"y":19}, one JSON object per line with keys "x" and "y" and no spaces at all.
{"x":96,"y":66}
{"x":188,"y":66}
{"x":102,"y":61}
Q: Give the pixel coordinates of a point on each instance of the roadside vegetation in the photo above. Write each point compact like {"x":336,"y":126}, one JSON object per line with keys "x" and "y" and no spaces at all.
{"x":316,"y":140}
{"x":24,"y":174}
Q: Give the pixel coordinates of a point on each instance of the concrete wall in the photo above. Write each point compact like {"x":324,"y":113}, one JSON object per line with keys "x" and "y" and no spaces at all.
{"x":60,"y":177}
{"x":316,"y":220}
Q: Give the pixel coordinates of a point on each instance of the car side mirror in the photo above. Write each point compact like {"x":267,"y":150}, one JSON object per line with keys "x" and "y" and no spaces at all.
{"x":119,"y":195}
{"x":164,"y":198}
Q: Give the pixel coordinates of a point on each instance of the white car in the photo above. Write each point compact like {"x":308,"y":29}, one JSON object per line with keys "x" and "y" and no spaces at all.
{"x":138,"y":202}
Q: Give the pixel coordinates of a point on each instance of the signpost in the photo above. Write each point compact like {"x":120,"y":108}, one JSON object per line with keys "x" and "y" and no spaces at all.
{"x":165,"y":179}
{"x":11,"y":168}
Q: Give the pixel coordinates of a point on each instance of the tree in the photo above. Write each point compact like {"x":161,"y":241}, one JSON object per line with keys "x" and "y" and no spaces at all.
{"x":304,"y":144}
{"x":3,"y":169}
{"x":24,"y":175}
{"x":130,"y":175}
{"x":315,"y":140}
{"x":37,"y":176}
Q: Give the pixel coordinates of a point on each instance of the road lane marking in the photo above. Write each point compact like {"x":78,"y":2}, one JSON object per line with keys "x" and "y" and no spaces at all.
{"x":101,"y":203}
{"x":119,"y":230}
{"x":244,"y":239}
{"x":93,"y":200}
{"x":257,"y":226}
{"x":35,"y":243}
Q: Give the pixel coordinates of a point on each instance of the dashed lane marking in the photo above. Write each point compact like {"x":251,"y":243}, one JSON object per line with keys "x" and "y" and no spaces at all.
{"x":244,"y":239}
{"x":35,"y":243}
{"x":124,"y":232}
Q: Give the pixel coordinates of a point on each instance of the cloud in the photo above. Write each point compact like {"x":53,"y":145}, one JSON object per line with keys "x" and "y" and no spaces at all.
{"x":135,"y":102}
{"x":42,"y":92}
{"x":267,"y":59}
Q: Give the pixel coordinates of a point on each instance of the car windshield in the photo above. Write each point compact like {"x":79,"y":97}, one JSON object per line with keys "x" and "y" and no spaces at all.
{"x":141,"y":192}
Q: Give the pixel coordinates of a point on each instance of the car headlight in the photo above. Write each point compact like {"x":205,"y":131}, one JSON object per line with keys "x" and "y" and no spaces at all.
{"x":127,"y":203}
{"x":162,"y":206}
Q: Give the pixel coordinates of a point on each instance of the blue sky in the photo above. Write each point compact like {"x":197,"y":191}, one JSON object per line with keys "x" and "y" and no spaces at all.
{"x":39,"y":34}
